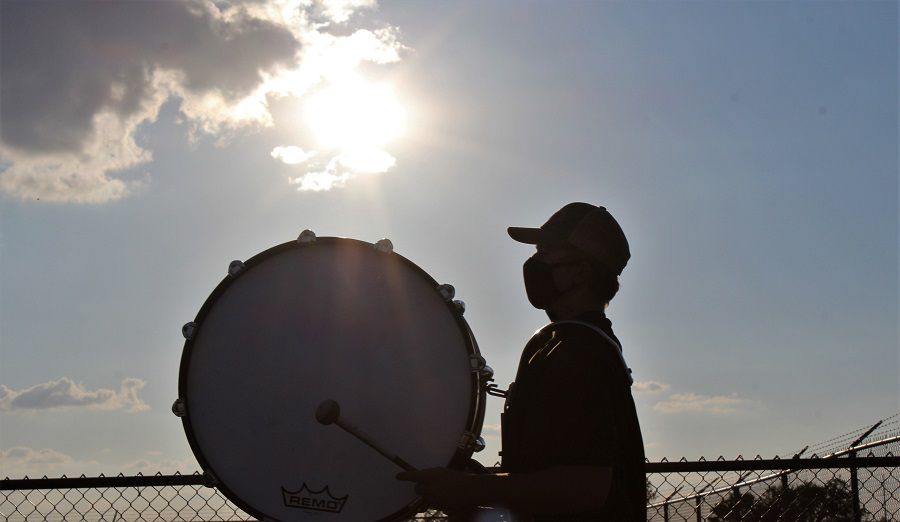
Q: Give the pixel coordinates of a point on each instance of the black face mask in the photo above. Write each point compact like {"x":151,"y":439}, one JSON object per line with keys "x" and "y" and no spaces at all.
{"x":539,"y":284}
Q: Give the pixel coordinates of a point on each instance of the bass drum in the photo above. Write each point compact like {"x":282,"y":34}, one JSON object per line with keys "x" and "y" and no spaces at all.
{"x":328,"y":318}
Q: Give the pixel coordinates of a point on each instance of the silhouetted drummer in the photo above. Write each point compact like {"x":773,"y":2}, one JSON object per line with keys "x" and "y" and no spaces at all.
{"x":572,"y":446}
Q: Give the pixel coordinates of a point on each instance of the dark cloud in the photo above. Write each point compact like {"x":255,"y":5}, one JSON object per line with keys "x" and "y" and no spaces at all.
{"x":62,"y":63}
{"x":78,"y":78}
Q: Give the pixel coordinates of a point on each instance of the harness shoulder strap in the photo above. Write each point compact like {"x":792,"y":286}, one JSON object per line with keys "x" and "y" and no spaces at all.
{"x":608,"y":340}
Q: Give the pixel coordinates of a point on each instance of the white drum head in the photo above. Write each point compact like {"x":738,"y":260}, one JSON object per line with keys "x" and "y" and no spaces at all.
{"x":334,"y":319}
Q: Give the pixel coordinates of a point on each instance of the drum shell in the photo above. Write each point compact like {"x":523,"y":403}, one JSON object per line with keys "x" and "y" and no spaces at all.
{"x":196,"y":355}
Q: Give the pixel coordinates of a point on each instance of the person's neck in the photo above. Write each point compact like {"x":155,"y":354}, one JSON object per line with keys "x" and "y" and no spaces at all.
{"x":573,"y":305}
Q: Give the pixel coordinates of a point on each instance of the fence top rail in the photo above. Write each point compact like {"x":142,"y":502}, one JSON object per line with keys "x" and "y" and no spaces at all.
{"x":137,"y":481}
{"x":888,"y":461}
{"x":758,"y":464}
{"x":782,"y":465}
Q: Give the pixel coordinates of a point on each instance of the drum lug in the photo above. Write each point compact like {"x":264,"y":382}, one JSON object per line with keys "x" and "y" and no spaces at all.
{"x":179,"y":408}
{"x":210,"y":480}
{"x":471,"y":442}
{"x":460,"y":306}
{"x":235,"y":267}
{"x":384,"y":245}
{"x":188,"y":330}
{"x":447,"y":292}
{"x":306,"y":237}
{"x":477,"y":363}
{"x":479,"y":366}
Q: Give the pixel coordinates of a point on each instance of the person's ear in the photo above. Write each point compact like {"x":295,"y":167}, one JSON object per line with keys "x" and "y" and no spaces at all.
{"x":585,"y":272}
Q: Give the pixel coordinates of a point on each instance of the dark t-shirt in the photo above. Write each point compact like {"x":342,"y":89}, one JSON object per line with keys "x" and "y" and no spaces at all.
{"x":571,"y":404}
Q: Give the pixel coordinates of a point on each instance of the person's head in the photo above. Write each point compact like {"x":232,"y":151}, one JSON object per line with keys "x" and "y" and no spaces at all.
{"x":581,"y":250}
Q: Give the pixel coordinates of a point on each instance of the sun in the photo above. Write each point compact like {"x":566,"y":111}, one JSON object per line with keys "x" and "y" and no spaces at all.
{"x":355,"y":115}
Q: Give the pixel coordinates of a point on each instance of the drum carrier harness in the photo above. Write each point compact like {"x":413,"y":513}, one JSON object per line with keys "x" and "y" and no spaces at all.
{"x":494,"y":391}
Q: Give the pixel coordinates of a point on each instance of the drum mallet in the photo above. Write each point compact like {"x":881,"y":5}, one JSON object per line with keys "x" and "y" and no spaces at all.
{"x":329,"y":412}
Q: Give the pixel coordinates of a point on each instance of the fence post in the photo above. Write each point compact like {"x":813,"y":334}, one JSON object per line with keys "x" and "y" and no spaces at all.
{"x":666,"y":504}
{"x":700,"y":498}
{"x":854,"y":490}
{"x":854,"y":482}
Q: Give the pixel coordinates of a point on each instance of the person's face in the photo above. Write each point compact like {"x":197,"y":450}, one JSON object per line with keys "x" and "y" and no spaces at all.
{"x":556,"y":280}
{"x":569,"y":264}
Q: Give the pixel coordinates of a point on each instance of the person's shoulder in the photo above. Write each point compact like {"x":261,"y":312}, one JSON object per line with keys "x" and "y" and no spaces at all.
{"x":584,"y":344}
{"x":584,"y":336}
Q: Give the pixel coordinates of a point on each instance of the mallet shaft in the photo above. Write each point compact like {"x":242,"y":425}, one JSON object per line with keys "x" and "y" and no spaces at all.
{"x":356,"y":432}
{"x":329,"y":412}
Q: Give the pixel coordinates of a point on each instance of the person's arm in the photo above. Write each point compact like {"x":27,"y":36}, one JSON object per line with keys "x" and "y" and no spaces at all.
{"x":561,"y":489}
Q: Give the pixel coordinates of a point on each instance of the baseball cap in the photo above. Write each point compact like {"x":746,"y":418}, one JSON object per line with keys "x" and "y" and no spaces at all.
{"x":587,"y":227}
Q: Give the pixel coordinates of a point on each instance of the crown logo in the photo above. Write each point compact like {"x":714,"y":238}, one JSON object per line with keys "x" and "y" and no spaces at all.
{"x":321,"y":500}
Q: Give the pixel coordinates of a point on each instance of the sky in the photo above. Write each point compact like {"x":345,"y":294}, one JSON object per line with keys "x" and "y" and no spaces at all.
{"x":748,"y":149}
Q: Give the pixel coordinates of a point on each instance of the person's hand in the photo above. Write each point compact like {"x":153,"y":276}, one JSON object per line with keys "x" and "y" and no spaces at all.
{"x":442,"y":488}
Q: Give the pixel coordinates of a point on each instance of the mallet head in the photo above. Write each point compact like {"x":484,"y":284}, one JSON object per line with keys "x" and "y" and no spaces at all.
{"x":328,"y":412}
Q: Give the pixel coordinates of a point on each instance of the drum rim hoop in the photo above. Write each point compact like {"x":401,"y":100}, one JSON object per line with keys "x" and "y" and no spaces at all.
{"x":474,"y":418}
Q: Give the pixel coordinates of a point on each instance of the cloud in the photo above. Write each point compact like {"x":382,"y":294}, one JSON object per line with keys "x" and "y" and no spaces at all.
{"x":291,"y":155}
{"x":706,"y":404}
{"x":65,"y":393}
{"x":490,"y":431}
{"x":649,"y":387}
{"x":366,"y":161}
{"x":78,"y":79}
{"x":154,"y":463}
{"x":342,"y":168}
{"x":318,"y":181}
{"x":20,"y":461}
{"x":339,"y":11}
{"x":29,"y":456}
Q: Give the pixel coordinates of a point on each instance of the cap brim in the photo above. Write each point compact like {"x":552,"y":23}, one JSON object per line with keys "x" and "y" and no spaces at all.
{"x":530,"y":236}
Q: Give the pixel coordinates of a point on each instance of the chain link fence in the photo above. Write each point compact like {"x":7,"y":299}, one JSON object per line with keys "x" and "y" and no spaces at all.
{"x":844,"y":478}
{"x":852,"y":480}
{"x":856,"y":488}
{"x":150,"y":498}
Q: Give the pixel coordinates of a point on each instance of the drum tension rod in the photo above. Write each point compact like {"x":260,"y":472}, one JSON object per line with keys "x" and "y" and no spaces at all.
{"x":486,"y":373}
{"x":493,"y":390}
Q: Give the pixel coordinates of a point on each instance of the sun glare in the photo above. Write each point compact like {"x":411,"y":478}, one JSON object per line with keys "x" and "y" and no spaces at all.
{"x":355,"y":115}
